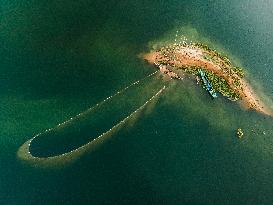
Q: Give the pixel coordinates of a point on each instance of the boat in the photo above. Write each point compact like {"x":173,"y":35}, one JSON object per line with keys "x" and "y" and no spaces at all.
{"x":207,"y":84}
{"x":240,"y":133}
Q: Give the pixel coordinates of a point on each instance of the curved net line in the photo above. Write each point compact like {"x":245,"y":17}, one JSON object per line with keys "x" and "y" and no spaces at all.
{"x":24,"y":151}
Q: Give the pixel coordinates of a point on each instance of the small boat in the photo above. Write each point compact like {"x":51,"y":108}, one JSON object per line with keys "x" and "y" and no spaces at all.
{"x":207,"y":84}
{"x":240,"y":133}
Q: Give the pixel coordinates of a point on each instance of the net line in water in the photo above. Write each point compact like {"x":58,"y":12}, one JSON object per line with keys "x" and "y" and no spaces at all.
{"x":61,"y":125}
{"x":25,"y":155}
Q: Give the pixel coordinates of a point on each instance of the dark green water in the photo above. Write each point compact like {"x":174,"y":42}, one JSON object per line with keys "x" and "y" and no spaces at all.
{"x":60,"y":57}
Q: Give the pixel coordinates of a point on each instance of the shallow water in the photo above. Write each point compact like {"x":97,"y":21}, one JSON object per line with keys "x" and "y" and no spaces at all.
{"x":58,"y":58}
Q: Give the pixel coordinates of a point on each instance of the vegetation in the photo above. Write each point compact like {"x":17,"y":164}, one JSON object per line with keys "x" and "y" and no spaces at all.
{"x":220,"y":84}
{"x":239,"y":71}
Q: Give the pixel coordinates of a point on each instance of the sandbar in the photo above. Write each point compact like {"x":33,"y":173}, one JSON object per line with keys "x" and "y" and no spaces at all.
{"x":227,"y":79}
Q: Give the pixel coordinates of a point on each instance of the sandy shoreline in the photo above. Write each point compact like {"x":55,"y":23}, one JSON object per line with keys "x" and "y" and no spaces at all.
{"x":193,"y":57}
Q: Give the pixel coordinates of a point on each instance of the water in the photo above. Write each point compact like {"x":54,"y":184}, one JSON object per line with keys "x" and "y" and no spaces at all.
{"x":58,"y":58}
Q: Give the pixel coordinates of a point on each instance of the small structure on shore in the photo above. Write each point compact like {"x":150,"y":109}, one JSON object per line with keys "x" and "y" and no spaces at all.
{"x":165,"y":70}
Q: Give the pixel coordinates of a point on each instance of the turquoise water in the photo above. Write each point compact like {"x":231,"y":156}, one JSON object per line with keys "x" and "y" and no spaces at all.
{"x":58,"y":58}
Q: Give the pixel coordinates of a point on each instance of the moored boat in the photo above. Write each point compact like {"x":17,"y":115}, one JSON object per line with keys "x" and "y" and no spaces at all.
{"x":207,"y":84}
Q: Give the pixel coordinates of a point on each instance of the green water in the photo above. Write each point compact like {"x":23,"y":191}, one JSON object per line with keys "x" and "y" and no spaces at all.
{"x":58,"y":58}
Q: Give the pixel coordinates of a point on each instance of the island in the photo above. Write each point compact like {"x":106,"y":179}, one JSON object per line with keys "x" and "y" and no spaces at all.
{"x":214,"y":70}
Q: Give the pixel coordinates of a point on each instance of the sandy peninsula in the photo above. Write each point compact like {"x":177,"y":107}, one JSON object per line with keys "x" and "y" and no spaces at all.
{"x":225,"y":78}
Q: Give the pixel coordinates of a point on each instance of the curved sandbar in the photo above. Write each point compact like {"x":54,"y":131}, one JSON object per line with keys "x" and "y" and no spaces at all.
{"x":226,"y":78}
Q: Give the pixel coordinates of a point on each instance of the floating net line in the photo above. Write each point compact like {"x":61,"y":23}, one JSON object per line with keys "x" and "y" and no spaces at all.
{"x":25,"y":155}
